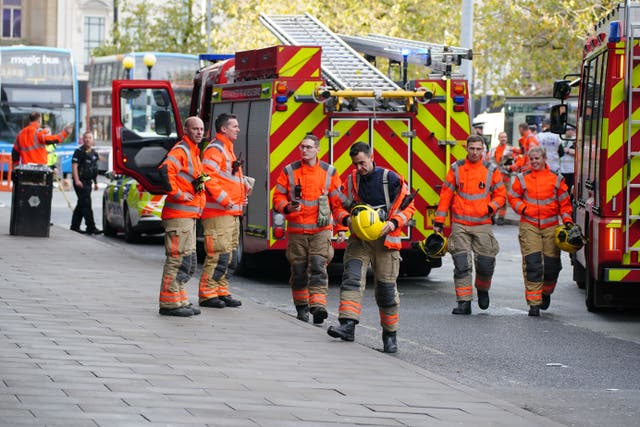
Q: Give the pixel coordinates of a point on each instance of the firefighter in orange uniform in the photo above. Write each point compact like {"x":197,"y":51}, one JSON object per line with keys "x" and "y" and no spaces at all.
{"x":222,"y":213}
{"x":539,"y":196}
{"x":374,"y":187}
{"x":31,"y":142}
{"x":182,"y":174}
{"x":527,"y":139}
{"x":473,"y":190}
{"x":500,"y":156}
{"x":307,"y":192}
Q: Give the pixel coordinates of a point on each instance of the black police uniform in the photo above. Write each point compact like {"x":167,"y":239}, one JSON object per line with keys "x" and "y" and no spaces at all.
{"x":88,"y":173}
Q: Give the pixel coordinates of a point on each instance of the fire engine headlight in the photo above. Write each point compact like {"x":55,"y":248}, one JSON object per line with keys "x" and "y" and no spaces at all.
{"x":278,"y":220}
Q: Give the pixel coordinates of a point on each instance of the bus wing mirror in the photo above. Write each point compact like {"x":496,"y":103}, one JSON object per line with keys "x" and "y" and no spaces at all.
{"x":561,"y":89}
{"x":558,"y":119}
{"x":162,"y":119}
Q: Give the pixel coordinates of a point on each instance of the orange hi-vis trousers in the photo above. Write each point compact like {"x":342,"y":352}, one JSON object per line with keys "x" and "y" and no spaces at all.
{"x":541,"y":263}
{"x":180,"y":264}
{"x":309,"y":255}
{"x":385,"y":263}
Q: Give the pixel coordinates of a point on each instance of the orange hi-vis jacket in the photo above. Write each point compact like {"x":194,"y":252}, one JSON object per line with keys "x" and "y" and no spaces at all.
{"x":220,"y":163}
{"x":539,"y":197}
{"x":313,"y":181}
{"x":179,"y":170}
{"x":32,"y":142}
{"x":468,"y":190}
{"x":527,"y":141}
{"x":401,"y":217}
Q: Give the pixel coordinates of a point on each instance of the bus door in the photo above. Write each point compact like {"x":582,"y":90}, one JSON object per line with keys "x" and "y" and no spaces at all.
{"x":145,"y":126}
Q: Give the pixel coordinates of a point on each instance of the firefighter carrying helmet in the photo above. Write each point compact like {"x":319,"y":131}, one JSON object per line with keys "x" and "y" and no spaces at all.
{"x":434,"y":246}
{"x":367,"y":222}
{"x":569,"y":237}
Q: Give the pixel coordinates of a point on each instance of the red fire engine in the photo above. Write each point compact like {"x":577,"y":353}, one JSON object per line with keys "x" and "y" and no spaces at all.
{"x":315,"y":82}
{"x":607,"y":166}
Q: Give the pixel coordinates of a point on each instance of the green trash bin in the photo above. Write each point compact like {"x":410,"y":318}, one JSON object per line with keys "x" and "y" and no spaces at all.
{"x":31,"y":201}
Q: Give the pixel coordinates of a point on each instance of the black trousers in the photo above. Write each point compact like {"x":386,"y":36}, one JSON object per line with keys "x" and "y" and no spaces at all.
{"x":83,"y":208}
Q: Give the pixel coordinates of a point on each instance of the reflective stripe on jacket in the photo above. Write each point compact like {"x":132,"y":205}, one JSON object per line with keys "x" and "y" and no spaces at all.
{"x":314,"y":181}
{"x":182,"y":166}
{"x":392,"y":240}
{"x":468,"y":190}
{"x":539,"y":197}
{"x":218,"y":159}
{"x":32,"y":142}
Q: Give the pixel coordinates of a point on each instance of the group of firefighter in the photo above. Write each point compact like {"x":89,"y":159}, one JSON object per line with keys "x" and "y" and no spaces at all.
{"x":374,"y":204}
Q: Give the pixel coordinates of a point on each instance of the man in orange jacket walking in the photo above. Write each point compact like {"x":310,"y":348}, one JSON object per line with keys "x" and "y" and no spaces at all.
{"x":539,"y":196}
{"x":222,"y":213}
{"x":31,"y":142}
{"x":181,"y":172}
{"x":307,"y":192}
{"x":374,"y":187}
{"x":473,"y":190}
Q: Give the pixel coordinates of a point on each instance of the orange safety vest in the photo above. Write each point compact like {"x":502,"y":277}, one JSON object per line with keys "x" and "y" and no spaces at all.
{"x":221,"y":164}
{"x":468,"y":190}
{"x":539,"y":197}
{"x":392,"y":240}
{"x":313,"y":181}
{"x":32,"y":142}
{"x":179,"y":170}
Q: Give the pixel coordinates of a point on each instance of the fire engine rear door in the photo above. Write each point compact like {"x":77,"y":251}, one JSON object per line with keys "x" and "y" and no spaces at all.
{"x":145,"y":125}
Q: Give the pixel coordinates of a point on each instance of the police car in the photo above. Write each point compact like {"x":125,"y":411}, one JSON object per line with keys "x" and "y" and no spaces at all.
{"x":128,"y":208}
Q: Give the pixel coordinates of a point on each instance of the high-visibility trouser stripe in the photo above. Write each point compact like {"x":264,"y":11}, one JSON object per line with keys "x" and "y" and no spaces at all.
{"x":533,"y":297}
{"x":318,"y":299}
{"x":548,"y":288}
{"x":388,"y":319}
{"x":300,"y":294}
{"x":483,"y":284}
{"x":350,"y":307}
{"x":463,"y":293}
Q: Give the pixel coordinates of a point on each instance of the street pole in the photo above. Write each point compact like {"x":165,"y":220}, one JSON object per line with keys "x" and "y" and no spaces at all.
{"x":208,"y":26}
{"x":466,"y":41}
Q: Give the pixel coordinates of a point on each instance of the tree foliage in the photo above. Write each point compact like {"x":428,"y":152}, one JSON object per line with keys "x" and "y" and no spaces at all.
{"x":520,"y":46}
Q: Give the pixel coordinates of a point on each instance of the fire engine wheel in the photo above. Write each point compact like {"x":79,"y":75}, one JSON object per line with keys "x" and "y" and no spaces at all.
{"x":591,"y":288}
{"x":130,"y":235}
{"x":107,"y":229}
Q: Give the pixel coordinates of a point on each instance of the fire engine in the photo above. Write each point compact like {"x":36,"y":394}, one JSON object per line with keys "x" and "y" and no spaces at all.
{"x":315,"y":82}
{"x":607,"y":166}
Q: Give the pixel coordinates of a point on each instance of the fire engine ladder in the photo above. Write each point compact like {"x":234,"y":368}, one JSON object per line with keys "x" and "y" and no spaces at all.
{"x":342,"y":67}
{"x":441,"y":58}
{"x":632,"y":86}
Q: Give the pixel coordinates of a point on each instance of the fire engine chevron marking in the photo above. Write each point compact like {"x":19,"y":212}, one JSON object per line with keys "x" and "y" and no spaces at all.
{"x":298,"y":62}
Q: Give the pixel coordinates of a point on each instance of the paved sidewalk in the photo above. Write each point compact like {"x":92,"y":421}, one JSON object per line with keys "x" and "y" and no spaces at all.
{"x":82,"y":344}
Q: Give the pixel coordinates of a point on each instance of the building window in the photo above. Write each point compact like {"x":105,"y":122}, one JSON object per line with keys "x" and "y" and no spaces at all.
{"x":11,"y":17}
{"x":93,"y":35}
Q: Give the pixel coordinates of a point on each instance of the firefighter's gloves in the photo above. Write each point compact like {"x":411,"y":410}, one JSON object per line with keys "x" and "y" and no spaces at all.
{"x":438,"y":227}
{"x":293,"y":206}
{"x":198,"y":183}
{"x":324,"y":212}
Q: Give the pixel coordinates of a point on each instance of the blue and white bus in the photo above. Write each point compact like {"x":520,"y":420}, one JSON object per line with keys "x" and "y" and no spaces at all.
{"x":37,"y":78}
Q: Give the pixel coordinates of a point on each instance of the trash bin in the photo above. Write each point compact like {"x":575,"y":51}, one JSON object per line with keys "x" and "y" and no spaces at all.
{"x":31,"y":200}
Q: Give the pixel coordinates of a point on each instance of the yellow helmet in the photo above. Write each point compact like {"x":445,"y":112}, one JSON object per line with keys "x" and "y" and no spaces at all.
{"x":434,"y":246}
{"x":569,"y":238}
{"x":367,"y":222}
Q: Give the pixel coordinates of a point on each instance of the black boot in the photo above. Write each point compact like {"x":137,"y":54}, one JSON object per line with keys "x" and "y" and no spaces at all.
{"x":346,"y":331}
{"x":213,"y":303}
{"x":319,"y":314}
{"x":546,"y":301}
{"x":483,"y":299}
{"x":230,"y":302}
{"x":389,"y":342}
{"x":303,"y":312}
{"x":534,"y":310}
{"x":464,"y":307}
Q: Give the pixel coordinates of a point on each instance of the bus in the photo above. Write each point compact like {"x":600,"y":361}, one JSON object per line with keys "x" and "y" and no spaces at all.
{"x":178,"y":68}
{"x":43,"y":79}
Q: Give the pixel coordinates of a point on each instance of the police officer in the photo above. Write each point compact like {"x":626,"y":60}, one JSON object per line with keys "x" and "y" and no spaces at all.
{"x":84,"y":169}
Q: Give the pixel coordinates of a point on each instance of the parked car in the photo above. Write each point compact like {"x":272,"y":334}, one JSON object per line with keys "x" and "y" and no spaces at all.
{"x":128,"y":208}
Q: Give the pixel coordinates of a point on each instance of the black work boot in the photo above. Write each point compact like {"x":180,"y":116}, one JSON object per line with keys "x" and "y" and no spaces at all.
{"x":303,"y":312}
{"x":193,"y":308}
{"x":464,"y":307}
{"x":180,"y":311}
{"x":213,"y":303}
{"x":230,"y":302}
{"x":389,"y":342}
{"x":483,"y":299}
{"x":346,"y":331}
{"x":534,"y":310}
{"x":319,"y":314}
{"x":546,"y":301}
